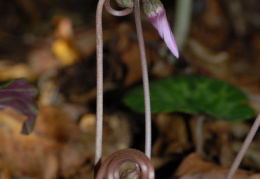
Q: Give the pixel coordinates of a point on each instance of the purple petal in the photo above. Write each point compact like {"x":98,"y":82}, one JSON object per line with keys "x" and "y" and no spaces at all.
{"x":160,"y":22}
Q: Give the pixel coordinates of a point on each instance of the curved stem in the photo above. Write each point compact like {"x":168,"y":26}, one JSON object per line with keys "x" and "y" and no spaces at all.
{"x":244,"y":147}
{"x":115,"y":12}
{"x":148,"y":128}
{"x":99,"y":118}
{"x":99,"y":107}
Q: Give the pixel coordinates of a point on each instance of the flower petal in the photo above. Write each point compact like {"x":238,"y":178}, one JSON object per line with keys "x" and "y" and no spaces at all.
{"x":166,"y":34}
{"x":159,"y":20}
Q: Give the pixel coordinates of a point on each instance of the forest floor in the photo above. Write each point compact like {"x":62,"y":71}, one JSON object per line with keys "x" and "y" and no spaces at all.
{"x":52,"y":44}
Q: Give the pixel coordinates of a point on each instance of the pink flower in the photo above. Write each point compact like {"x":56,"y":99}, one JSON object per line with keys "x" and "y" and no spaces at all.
{"x":156,"y":14}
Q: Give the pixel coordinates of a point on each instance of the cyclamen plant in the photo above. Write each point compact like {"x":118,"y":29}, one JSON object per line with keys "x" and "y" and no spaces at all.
{"x":155,"y":13}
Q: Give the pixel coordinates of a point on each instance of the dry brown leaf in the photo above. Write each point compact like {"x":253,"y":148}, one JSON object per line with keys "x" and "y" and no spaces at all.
{"x":64,"y":27}
{"x":65,"y":52}
{"x":64,"y":46}
{"x":38,"y":156}
{"x":41,"y":60}
{"x":85,"y":40}
{"x":88,"y":123}
{"x":54,"y":124}
{"x":117,"y":133}
{"x":173,"y":136}
{"x":193,"y":164}
{"x":10,"y":119}
{"x":127,"y":48}
{"x":9,"y":70}
{"x":251,"y":158}
{"x":193,"y":167}
{"x":216,"y":64}
{"x":211,"y":24}
{"x":130,"y":55}
{"x":132,"y":60}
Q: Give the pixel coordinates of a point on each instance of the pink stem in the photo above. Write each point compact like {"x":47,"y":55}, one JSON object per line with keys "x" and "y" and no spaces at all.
{"x":244,"y":147}
{"x":99,"y":107}
{"x":148,"y":128}
{"x":99,"y":118}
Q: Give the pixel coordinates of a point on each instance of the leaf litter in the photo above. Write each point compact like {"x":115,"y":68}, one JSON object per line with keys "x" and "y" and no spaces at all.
{"x":232,"y":57}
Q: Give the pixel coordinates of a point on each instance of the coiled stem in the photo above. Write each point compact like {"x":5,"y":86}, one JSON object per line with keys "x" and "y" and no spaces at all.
{"x":111,"y":166}
{"x":116,"y":12}
{"x":99,"y":107}
{"x":135,"y":156}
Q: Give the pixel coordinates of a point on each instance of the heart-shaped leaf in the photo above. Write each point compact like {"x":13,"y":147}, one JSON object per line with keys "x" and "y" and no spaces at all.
{"x":193,"y":95}
{"x":17,"y":94}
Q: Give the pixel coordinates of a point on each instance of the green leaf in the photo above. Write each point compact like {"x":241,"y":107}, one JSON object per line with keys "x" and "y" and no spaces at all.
{"x":193,"y":95}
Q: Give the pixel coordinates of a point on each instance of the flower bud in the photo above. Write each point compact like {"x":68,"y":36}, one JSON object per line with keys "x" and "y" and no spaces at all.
{"x":125,"y":3}
{"x":156,"y":14}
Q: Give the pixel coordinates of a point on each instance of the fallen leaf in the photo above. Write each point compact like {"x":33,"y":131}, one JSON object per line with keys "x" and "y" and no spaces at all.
{"x":65,"y":52}
{"x":9,"y":70}
{"x":39,"y":156}
{"x":54,"y":124}
{"x":193,"y":167}
{"x":64,"y":47}
{"x":17,"y":94}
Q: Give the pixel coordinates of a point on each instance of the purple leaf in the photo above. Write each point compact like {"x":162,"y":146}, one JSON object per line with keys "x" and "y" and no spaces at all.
{"x":17,"y":94}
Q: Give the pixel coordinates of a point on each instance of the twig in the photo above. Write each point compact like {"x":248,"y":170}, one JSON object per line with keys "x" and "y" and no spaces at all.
{"x":244,"y":147}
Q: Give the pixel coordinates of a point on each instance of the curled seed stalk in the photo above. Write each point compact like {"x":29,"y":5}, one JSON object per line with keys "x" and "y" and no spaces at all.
{"x":112,"y":164}
{"x":99,"y":107}
{"x":148,"y":128}
{"x":115,"y":12}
